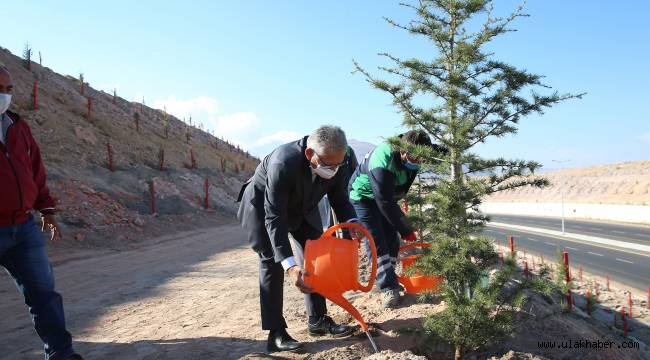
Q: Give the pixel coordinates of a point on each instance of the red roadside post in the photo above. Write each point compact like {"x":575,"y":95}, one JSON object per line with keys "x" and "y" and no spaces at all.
{"x":35,"y":95}
{"x":648,"y":302}
{"x":567,"y":279}
{"x":588,"y":295}
{"x":624,"y":321}
{"x":207,"y":193}
{"x":109,"y":155}
{"x":607,"y":280}
{"x":511,"y":243}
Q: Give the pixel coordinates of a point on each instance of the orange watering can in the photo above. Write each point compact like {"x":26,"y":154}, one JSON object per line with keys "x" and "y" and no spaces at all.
{"x":417,"y":283}
{"x":332,"y":268}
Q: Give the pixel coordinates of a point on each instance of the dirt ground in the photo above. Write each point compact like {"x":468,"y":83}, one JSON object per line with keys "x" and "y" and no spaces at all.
{"x":194,"y":295}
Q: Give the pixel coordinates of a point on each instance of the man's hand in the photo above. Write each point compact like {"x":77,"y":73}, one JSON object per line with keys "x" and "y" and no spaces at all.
{"x":297,"y":274}
{"x":356,"y":234}
{"x":49,"y":222}
{"x":412,"y":236}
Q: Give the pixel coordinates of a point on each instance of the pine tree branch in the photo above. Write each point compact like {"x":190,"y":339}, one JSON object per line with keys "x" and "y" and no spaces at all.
{"x":539,"y":102}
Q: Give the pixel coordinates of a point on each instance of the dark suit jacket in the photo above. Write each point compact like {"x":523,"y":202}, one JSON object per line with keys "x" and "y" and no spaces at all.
{"x":281,"y":196}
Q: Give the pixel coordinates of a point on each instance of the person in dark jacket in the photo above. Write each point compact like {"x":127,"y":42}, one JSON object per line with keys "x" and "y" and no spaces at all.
{"x":23,"y":188}
{"x":326,"y":213}
{"x":282,"y":198}
{"x":383,"y":178}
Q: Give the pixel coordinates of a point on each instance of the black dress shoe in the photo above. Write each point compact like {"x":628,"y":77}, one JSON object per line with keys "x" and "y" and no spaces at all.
{"x":280,"y":340}
{"x":327,"y":326}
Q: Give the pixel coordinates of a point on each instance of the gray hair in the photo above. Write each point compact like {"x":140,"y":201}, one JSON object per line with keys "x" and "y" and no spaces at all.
{"x":327,"y":138}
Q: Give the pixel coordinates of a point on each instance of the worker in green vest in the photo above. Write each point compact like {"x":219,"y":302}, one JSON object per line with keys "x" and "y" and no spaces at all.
{"x":380,"y":181}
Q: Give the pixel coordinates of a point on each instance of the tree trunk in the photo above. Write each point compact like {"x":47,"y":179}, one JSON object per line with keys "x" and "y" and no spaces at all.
{"x":459,"y":354}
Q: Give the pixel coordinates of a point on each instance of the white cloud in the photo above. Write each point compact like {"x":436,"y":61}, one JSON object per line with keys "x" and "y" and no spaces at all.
{"x":241,"y":128}
{"x":197,"y":107}
{"x":282,"y":136}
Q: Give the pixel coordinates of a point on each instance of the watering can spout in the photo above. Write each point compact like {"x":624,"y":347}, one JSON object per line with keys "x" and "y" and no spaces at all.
{"x":332,"y":268}
{"x":339,"y":300}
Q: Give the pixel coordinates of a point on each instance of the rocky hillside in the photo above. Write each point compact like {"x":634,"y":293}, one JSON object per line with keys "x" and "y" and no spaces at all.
{"x":112,"y":208}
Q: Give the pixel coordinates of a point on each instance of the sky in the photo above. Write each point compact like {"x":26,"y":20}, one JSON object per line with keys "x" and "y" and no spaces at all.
{"x":261,"y":73}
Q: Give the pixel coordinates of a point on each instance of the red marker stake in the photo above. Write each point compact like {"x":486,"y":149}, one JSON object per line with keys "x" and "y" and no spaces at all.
{"x":588,"y":302}
{"x":648,"y":302}
{"x":607,"y":280}
{"x":511,"y":243}
{"x":567,"y":279}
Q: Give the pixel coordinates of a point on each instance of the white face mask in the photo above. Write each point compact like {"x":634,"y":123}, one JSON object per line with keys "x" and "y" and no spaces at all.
{"x":325,"y":173}
{"x":5,"y":101}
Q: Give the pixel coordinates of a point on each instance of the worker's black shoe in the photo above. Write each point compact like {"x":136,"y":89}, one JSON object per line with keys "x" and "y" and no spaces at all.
{"x":280,"y":340}
{"x":326,"y":326}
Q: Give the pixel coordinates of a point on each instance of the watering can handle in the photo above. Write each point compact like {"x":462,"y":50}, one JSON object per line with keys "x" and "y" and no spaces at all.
{"x":414,"y":245}
{"x":373,"y":250}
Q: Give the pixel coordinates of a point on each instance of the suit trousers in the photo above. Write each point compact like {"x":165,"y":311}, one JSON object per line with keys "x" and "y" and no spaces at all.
{"x":272,"y":282}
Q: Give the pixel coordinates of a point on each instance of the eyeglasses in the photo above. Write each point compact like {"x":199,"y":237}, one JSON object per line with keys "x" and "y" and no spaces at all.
{"x":326,"y":165}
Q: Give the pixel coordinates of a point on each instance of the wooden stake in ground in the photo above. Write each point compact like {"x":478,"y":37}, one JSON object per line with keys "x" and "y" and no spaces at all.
{"x":114,"y":96}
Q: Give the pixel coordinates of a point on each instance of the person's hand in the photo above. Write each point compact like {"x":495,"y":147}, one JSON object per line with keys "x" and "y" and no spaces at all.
{"x":297,"y":274}
{"x":49,"y":222}
{"x":412,"y":236}
{"x":356,"y":234}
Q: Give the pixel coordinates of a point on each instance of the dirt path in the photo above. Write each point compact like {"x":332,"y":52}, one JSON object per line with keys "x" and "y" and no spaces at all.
{"x":192,"y":295}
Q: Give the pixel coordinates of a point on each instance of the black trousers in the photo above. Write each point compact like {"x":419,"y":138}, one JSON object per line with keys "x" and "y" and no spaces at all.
{"x":272,"y":283}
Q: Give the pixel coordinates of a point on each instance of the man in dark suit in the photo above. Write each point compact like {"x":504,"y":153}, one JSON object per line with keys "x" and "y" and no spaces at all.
{"x":281,"y":199}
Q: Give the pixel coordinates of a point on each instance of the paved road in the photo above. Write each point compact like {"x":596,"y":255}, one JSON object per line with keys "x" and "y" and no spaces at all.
{"x":628,"y":267}
{"x":638,"y":234}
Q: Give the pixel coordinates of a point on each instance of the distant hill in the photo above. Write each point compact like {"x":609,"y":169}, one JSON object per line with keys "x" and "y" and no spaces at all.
{"x":361,"y":148}
{"x":623,"y":183}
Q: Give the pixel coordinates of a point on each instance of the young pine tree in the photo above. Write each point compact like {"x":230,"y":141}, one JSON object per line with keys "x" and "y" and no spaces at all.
{"x":27,"y":56}
{"x":462,"y":97}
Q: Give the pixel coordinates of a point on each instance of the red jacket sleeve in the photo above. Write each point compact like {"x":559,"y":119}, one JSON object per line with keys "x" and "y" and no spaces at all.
{"x":44,"y":202}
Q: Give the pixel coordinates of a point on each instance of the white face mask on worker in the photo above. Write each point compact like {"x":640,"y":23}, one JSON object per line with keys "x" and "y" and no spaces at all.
{"x":5,"y":101}
{"x":325,"y":173}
